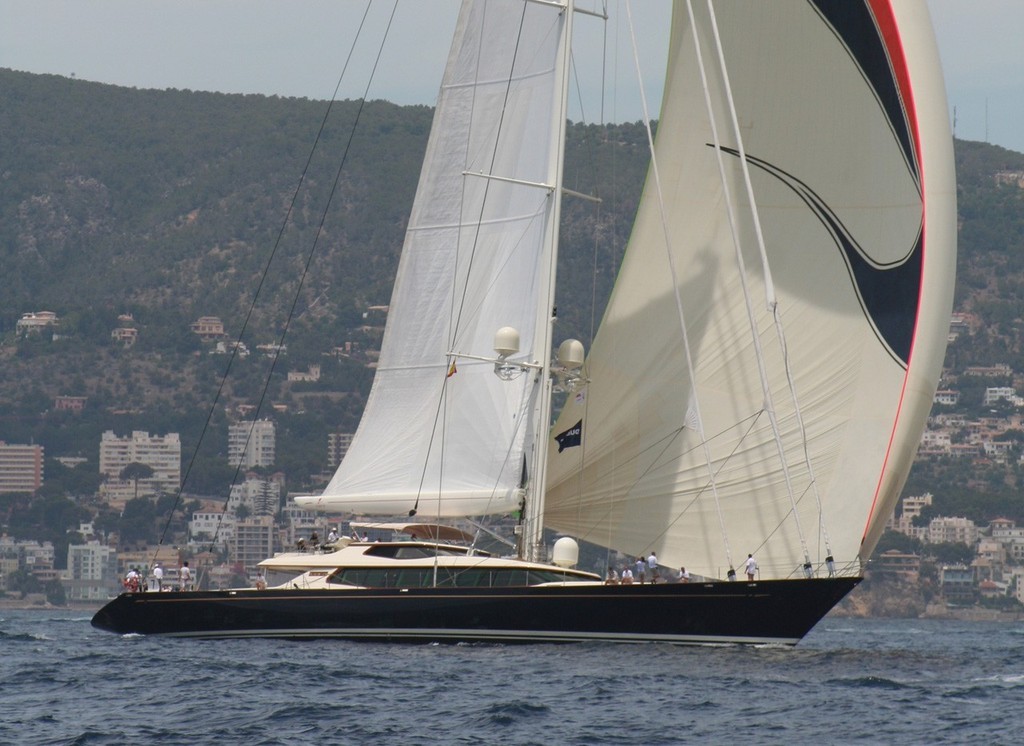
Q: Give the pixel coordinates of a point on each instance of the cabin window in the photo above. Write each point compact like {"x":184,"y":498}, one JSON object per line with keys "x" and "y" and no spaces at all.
{"x":413,"y":578}
{"x":473,"y":579}
{"x":423,"y":577}
{"x":505,"y":578}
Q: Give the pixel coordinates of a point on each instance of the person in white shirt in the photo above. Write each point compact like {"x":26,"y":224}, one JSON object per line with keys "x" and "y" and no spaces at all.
{"x":639,"y":570}
{"x":627,"y":576}
{"x":750,"y":567}
{"x":684,"y":576}
{"x":185,"y":576}
{"x":652,"y":567}
{"x":158,"y":576}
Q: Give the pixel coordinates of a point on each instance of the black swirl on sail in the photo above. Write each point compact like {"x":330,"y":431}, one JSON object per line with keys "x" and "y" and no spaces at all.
{"x":888,"y":292}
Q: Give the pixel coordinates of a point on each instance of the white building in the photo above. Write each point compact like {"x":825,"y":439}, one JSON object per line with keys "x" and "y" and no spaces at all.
{"x":337,"y":447}
{"x":998,"y":448}
{"x":208,"y":529}
{"x":251,"y":450}
{"x":162,"y":453}
{"x":952,"y":531}
{"x":998,"y":393}
{"x":35,"y":323}
{"x":253,"y":542}
{"x":936,"y":441}
{"x":261,"y":496}
{"x":904,"y":524}
{"x":92,"y":572}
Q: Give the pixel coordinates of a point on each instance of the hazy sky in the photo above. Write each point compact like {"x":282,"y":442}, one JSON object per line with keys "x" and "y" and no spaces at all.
{"x":298,"y":48}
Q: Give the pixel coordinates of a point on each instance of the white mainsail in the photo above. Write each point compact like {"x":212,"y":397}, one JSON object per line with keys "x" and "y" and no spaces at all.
{"x":447,"y":440}
{"x":842,"y":118}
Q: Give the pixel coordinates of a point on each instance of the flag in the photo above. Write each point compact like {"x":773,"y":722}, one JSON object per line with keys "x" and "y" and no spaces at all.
{"x":570,"y":437}
{"x":452,"y":370}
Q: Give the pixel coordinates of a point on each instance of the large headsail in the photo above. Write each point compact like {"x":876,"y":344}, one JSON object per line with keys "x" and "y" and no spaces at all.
{"x":842,"y":119}
{"x":440,"y":431}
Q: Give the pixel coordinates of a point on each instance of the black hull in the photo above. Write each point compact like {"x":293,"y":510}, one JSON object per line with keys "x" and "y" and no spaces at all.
{"x":775,"y":611}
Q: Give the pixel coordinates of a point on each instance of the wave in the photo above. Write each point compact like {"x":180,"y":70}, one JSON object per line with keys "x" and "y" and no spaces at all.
{"x":25,"y":636}
{"x":872,"y":682}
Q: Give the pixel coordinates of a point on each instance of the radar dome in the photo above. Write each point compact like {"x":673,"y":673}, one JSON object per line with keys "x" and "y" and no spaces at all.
{"x":566,"y":552}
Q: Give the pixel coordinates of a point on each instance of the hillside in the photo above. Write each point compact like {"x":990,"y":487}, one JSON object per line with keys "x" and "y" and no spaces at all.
{"x":169,"y":205}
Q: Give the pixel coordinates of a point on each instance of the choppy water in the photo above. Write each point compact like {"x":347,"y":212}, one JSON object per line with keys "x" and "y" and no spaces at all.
{"x":850,"y":681}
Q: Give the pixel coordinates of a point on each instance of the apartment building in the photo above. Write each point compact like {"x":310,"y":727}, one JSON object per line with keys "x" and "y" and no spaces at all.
{"x":21,"y":467}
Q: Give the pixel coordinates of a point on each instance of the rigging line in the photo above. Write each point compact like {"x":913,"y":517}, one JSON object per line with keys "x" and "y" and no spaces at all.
{"x":666,"y":440}
{"x":604,"y":56}
{"x":323,"y":215}
{"x":593,"y":283}
{"x":594,"y":262}
{"x":697,"y":495}
{"x":769,"y":287}
{"x":259,"y":287}
{"x":527,"y":394}
{"x":695,"y":399}
{"x":323,"y":219}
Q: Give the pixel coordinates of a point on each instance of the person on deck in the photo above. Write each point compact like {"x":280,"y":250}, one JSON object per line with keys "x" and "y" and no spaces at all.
{"x":750,"y":567}
{"x":627,"y":576}
{"x":185,"y":576}
{"x":639,"y":570}
{"x":684,"y":576}
{"x":158,"y":576}
{"x":652,"y":567}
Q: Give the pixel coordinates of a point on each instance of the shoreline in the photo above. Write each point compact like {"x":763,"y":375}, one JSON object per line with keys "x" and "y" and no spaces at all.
{"x":27,"y":605}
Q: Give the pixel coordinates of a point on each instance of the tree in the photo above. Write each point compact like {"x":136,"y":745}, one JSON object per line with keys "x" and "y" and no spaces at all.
{"x":55,"y":593}
{"x":900,"y":542}
{"x":950,"y":553}
{"x":137,"y":522}
{"x":134,"y":472}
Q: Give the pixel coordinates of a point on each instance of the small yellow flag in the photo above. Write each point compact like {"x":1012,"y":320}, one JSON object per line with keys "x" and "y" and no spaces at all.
{"x":452,"y":370}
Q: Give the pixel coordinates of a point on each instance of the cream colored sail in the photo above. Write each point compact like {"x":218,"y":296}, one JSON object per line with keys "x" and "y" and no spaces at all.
{"x":842,"y":118}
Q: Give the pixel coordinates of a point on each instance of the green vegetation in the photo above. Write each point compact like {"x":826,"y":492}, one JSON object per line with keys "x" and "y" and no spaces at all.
{"x":168,"y":205}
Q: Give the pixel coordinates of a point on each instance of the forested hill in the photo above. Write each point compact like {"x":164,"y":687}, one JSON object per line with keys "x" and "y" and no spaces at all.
{"x":168,"y":205}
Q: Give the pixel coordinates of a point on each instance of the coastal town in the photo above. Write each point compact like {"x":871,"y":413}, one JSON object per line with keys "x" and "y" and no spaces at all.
{"x":950,"y":562}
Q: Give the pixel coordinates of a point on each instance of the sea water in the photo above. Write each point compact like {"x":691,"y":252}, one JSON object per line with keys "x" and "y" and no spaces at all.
{"x":849,"y":681}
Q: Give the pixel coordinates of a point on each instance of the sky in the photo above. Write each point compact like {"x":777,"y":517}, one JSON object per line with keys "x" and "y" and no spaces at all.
{"x":293,"y":48}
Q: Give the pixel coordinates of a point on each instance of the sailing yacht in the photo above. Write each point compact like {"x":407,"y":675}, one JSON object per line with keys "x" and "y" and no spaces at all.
{"x":759,"y":382}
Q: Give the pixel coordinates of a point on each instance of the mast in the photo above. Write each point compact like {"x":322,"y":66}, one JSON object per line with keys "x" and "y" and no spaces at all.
{"x":534,"y":510}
